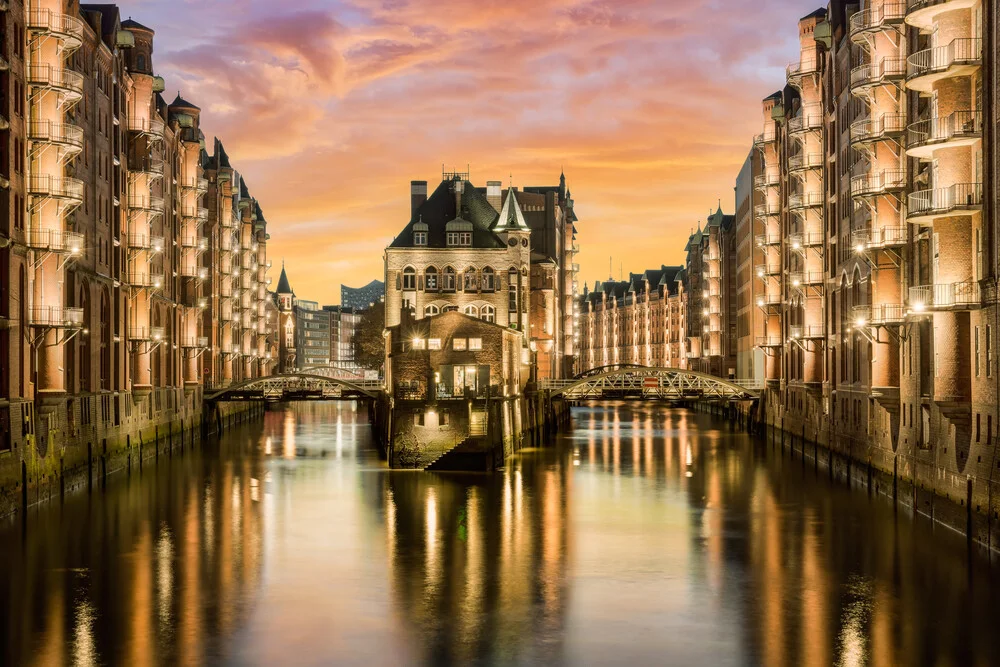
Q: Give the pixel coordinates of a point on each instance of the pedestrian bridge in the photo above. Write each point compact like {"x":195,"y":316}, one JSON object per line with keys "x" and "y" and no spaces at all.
{"x":640,"y":382}
{"x":328,"y":383}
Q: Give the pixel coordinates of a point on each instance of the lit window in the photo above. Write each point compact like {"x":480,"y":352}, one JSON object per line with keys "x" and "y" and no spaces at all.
{"x":431,"y":279}
{"x":458,"y":344}
{"x":434,"y":344}
{"x":419,"y":344}
{"x":475,"y":343}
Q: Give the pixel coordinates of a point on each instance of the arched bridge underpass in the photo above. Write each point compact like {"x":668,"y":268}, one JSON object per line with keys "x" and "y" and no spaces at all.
{"x":305,"y":385}
{"x":666,"y":384}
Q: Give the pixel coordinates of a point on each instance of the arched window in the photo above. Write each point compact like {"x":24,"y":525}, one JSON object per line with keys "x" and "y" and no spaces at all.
{"x":431,"y":310}
{"x":488,"y":282}
{"x":140,"y":63}
{"x":449,"y":279}
{"x":105,"y":338}
{"x":470,"y":280}
{"x":409,"y":278}
{"x":488,"y":313}
{"x":431,"y":279}
{"x":472,"y":310}
{"x":450,"y":309}
{"x":84,"y":344}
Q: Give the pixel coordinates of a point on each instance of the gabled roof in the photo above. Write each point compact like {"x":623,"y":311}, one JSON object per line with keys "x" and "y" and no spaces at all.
{"x":129,"y":24}
{"x":511,"y":216}
{"x":469,"y":210}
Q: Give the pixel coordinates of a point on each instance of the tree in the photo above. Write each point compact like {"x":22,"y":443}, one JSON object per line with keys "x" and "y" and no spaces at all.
{"x":369,"y":345}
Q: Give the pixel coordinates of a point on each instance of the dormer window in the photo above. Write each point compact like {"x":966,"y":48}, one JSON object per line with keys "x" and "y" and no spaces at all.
{"x":459,"y":239}
{"x":419,"y":238}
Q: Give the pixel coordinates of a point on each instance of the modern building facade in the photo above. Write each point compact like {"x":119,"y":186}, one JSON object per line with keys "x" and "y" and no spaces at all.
{"x":640,"y":321}
{"x":312,"y":334}
{"x":104,"y":254}
{"x":344,"y":322}
{"x":876,"y":231}
{"x":360,"y":298}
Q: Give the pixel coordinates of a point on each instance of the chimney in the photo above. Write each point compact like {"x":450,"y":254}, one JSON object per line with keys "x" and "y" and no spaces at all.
{"x":418,"y":195}
{"x":458,"y":187}
{"x":494,"y":194}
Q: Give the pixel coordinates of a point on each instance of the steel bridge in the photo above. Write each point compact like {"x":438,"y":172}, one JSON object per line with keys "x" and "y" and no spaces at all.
{"x":316,"y":383}
{"x":640,"y":382}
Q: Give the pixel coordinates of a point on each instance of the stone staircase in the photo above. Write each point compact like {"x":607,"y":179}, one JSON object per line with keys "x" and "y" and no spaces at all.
{"x":470,"y":455}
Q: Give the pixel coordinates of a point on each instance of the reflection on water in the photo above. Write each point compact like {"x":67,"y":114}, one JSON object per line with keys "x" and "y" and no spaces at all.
{"x":646,"y":535}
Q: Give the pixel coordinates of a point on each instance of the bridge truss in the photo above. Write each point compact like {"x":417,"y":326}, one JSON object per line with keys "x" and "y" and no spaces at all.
{"x":304,"y":385}
{"x":655,"y":384}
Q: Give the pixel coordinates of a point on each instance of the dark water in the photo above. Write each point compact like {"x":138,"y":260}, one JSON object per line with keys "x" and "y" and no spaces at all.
{"x":646,"y":536}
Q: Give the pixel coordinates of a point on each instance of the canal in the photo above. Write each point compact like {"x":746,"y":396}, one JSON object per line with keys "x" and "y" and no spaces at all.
{"x":645,"y":535}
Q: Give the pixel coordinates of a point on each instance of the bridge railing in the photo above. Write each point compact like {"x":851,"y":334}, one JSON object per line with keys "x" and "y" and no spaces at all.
{"x":752,"y":384}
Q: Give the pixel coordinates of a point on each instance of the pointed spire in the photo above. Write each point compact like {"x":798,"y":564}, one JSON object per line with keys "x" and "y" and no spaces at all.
{"x":511,"y":216}
{"x":283,"y":286}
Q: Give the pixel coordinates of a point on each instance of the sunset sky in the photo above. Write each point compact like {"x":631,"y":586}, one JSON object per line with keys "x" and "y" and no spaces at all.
{"x":329,"y":109}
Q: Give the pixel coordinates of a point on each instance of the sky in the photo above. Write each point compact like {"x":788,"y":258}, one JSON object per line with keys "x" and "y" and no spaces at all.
{"x":329,"y":108}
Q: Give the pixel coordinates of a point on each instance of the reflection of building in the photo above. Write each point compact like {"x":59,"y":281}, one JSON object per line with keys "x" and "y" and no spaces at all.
{"x":360,"y":298}
{"x":343,"y":323}
{"x":637,"y":321}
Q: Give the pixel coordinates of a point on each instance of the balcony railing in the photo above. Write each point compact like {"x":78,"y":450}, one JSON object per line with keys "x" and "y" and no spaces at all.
{"x":765,"y":137}
{"x":154,"y":126}
{"x":54,"y":240}
{"x":958,"y":296}
{"x":764,"y":210}
{"x":811,"y":118}
{"x":768,"y":341}
{"x":56,"y":187}
{"x":805,"y":240}
{"x":199,"y":243}
{"x":766,"y":180}
{"x":763,"y":240}
{"x":769,"y":299}
{"x":142,"y":201}
{"x":142,"y":332}
{"x":886,"y":126}
{"x":148,"y":166}
{"x":199,"y":213}
{"x":884,"y":71}
{"x":799,"y":279}
{"x":804,"y":162}
{"x":807,"y":331}
{"x":58,"y":317}
{"x":877,"y":315}
{"x":942,"y":201}
{"x":890,"y":180}
{"x":795,"y":71}
{"x":195,"y":272}
{"x":67,"y":28}
{"x":138,"y":241}
{"x":885,"y":237}
{"x":876,"y":18}
{"x":59,"y":79}
{"x":196,"y":342}
{"x":768,"y":269}
{"x":61,"y":134}
{"x":807,"y":200}
{"x":198,"y":184}
{"x":957,"y":127}
{"x":939,"y":60}
{"x":145,"y":278}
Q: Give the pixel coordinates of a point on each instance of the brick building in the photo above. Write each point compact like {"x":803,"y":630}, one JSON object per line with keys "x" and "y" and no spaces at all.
{"x":712,"y":297}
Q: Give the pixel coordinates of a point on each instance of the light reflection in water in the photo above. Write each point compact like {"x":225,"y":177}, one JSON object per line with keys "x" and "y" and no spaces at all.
{"x":648,"y":535}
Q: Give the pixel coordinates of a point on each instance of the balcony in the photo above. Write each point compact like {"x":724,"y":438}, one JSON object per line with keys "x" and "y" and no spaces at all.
{"x":768,"y":269}
{"x":886,"y":237}
{"x":802,"y":279}
{"x":875,"y":20}
{"x":881,"y":314}
{"x":923,"y":13}
{"x":144,"y":278}
{"x":795,"y":72}
{"x":68,"y":29}
{"x":194,"y":272}
{"x":195,"y":343}
{"x":144,"y":333}
{"x":62,"y":188}
{"x":148,"y":167}
{"x":798,"y":202}
{"x":767,"y":209}
{"x":766,"y":180}
{"x":872,"y":75}
{"x":960,"y":57}
{"x":768,"y":341}
{"x":764,"y":240}
{"x":152,"y":127}
{"x":807,"y":331}
{"x":67,"y":137}
{"x":885,"y":182}
{"x":809,"y":120}
{"x":54,"y":240}
{"x":961,"y":128}
{"x":946,"y":296}
{"x":960,"y":199}
{"x":143,"y":201}
{"x":199,"y":243}
{"x":55,"y":317}
{"x":198,"y":213}
{"x":804,"y":162}
{"x":890,"y":126}
{"x":67,"y":83}
{"x":137,"y":241}
{"x":766,"y":137}
{"x":199,"y":185}
{"x":769,"y":299}
{"x":802,"y":242}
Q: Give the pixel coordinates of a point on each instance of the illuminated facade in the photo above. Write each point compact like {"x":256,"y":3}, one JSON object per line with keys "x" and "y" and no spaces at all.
{"x":107,"y":270}
{"x":641,"y":321}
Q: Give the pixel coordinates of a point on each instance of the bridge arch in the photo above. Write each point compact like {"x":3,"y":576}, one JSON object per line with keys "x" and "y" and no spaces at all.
{"x":648,"y":382}
{"x":276,"y":386}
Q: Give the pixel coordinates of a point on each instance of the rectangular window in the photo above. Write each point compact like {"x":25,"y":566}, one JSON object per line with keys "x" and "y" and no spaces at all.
{"x":475,"y":343}
{"x":419,"y":344}
{"x":975,"y":345}
{"x":465,"y":238}
{"x":419,"y":238}
{"x":452,"y":238}
{"x":989,"y":351}
{"x":458,"y":344}
{"x":434,"y":344}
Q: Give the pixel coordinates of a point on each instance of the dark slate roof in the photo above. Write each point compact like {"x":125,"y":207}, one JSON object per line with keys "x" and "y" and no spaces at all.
{"x":440,"y":209}
{"x":109,"y":17}
{"x":182,"y":103}
{"x":774,"y":96}
{"x":221,"y":156}
{"x":244,"y":192}
{"x":818,"y":14}
{"x":129,"y":24}
{"x":283,"y":286}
